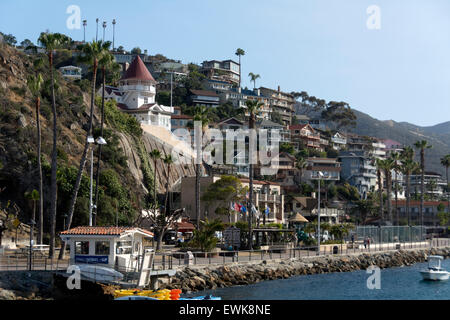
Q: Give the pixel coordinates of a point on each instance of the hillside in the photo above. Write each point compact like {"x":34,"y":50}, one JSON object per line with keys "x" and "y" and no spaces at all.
{"x":126,"y":170}
{"x":403,"y":132}
{"x":408,"y":134}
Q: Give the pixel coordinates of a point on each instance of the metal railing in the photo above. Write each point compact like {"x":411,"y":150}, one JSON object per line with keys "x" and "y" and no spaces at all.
{"x":227,"y":257}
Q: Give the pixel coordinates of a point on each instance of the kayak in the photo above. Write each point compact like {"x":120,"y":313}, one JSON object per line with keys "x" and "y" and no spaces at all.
{"x":207,"y":297}
{"x":164,"y":294}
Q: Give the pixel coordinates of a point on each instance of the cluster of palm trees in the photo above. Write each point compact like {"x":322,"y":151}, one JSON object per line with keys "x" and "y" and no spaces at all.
{"x":404,"y":163}
{"x":95,"y":54}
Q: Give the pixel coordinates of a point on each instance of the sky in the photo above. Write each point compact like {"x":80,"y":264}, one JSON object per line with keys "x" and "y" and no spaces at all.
{"x":328,"y":48}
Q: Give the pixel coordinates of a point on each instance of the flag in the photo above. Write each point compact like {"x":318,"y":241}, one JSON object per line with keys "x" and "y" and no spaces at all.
{"x":267,"y":211}
{"x":254,"y":211}
{"x":231,"y":206}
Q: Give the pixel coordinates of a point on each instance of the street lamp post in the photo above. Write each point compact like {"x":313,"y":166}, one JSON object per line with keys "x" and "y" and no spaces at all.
{"x":84,"y":31}
{"x":99,"y":141}
{"x":114,"y":31}
{"x":104,"y":27}
{"x":96,"y":30}
{"x":318,"y":213}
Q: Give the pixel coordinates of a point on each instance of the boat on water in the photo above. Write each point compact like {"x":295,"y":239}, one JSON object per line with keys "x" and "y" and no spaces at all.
{"x":99,"y":273}
{"x":434,"y":270}
{"x":207,"y":297}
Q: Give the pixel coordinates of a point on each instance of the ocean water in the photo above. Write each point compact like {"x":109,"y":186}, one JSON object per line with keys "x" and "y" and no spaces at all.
{"x":403,"y":283}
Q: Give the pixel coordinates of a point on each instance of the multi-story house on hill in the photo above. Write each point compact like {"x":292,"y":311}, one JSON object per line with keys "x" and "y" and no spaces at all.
{"x":136,"y":93}
{"x":226,"y":70}
{"x":280,"y":102}
{"x":303,"y":135}
{"x":358,"y":170}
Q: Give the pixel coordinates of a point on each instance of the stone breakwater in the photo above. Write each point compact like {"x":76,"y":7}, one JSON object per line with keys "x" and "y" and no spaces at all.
{"x":197,"y":278}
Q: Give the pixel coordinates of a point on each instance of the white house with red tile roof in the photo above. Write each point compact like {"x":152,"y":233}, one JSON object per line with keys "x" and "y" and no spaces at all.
{"x":109,"y":246}
{"x":136,"y":94}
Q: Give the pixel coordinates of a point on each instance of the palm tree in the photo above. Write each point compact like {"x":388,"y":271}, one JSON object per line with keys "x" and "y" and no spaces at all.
{"x":105,"y":63}
{"x":33,"y":196}
{"x":168,"y":160}
{"x":35,"y":84}
{"x":240,"y":52}
{"x":395,"y":157}
{"x":252,"y":108}
{"x":380,"y":167}
{"x":52,"y":42}
{"x":155,"y":155}
{"x":201,"y":114}
{"x":445,"y":161}
{"x":422,"y":145}
{"x":253,"y":78}
{"x":91,"y":53}
{"x":301,"y":165}
{"x":408,"y":167}
{"x":388,"y":166}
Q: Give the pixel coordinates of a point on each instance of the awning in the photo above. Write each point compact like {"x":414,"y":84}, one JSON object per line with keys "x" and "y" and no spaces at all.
{"x":298,"y":218}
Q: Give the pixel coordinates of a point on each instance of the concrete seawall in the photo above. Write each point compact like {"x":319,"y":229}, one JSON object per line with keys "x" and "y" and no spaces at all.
{"x":197,"y":278}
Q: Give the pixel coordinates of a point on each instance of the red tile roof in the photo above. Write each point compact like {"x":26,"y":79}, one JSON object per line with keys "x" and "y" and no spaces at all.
{"x":107,"y":231}
{"x":137,"y":71}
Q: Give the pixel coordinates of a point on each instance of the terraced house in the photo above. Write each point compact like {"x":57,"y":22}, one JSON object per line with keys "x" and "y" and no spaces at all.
{"x":280,"y":102}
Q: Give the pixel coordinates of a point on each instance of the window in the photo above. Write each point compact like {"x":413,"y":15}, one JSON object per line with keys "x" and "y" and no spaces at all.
{"x":123,"y":247}
{"x":81,"y":247}
{"x":102,"y":247}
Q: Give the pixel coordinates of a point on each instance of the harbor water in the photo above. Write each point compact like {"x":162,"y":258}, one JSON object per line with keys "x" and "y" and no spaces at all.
{"x":403,"y":283}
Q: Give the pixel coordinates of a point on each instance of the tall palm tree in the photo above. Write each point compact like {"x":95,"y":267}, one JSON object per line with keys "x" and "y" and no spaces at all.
{"x":380,"y":164}
{"x":445,"y":161}
{"x":107,"y":62}
{"x":395,"y":157}
{"x":240,"y":52}
{"x":91,"y":53}
{"x":388,"y":167}
{"x":253,"y":78}
{"x":52,"y":42}
{"x":35,"y":84}
{"x":422,"y":145}
{"x":168,"y":160}
{"x":201,"y":114}
{"x":155,"y":155}
{"x":408,"y":167}
{"x":33,"y":196}
{"x":252,"y":108}
{"x":301,"y":165}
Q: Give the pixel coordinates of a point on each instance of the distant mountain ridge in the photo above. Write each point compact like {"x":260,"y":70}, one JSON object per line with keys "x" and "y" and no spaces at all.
{"x":407,"y":134}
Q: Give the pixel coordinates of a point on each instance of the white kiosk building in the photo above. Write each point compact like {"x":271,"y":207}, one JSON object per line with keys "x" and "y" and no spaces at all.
{"x":108,"y":246}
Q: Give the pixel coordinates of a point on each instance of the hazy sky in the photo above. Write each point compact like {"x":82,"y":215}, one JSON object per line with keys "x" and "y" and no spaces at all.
{"x":400,"y":71}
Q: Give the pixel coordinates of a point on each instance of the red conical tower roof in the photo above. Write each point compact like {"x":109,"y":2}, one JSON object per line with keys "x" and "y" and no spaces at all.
{"x":137,"y":71}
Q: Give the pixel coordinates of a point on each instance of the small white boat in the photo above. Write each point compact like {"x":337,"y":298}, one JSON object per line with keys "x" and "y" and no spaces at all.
{"x":434,"y":270}
{"x":99,"y":273}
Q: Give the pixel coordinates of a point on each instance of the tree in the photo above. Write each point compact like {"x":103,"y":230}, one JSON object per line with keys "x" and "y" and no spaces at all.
{"x":203,"y":116}
{"x":380,"y":167}
{"x":395,"y":157}
{"x":52,"y":42}
{"x":168,"y":160}
{"x":339,"y":231}
{"x":364,"y":208}
{"x":225,"y":190}
{"x":340,"y":113}
{"x":155,"y":155}
{"x":106,"y":62}
{"x":26,"y":43}
{"x":205,"y":238}
{"x":422,"y":145}
{"x":9,"y":39}
{"x":388,"y":167}
{"x":252,"y":108}
{"x":300,"y":164}
{"x":240,"y":52}
{"x":253,"y":78}
{"x":445,"y":161}
{"x":136,"y":50}
{"x":276,"y":117}
{"x":91,"y":53}
{"x":35,"y":84}
{"x":408,"y":166}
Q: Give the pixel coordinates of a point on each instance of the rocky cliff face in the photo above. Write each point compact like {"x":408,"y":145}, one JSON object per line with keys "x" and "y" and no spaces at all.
{"x":18,"y":148}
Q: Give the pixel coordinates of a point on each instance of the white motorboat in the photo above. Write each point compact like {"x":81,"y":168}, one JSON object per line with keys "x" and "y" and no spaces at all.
{"x":434,"y":270}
